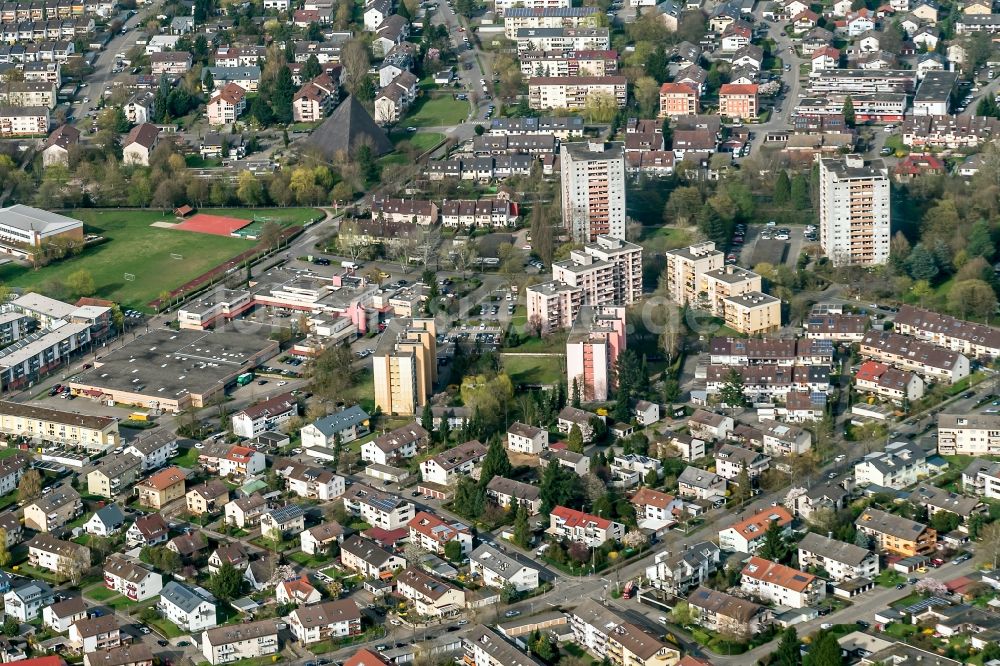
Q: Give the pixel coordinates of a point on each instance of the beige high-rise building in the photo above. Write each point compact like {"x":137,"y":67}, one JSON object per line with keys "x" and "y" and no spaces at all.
{"x":721,"y":283}
{"x":752,"y":313}
{"x":854,"y":210}
{"x":405,"y":364}
{"x":685,"y":267}
{"x":593,"y":189}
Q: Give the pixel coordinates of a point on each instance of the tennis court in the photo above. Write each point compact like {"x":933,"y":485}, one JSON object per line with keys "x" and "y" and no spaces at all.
{"x":216,"y":225}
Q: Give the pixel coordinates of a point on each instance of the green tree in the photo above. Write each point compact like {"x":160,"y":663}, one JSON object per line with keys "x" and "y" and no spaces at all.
{"x":800,"y":192}
{"x":848,"y":111}
{"x":788,"y":650}
{"x":980,"y":241}
{"x":974,"y":297}
{"x":4,"y":553}
{"x":988,"y":107}
{"x":652,"y":479}
{"x":496,"y":462}
{"x":226,"y":582}
{"x":453,"y":550}
{"x":560,"y":487}
{"x":681,"y":614}
{"x":574,"y":441}
{"x":742,"y":492}
{"x":81,"y":282}
{"x":575,"y":393}
{"x":311,"y":68}
{"x":427,"y":418}
{"x":11,"y":626}
{"x":920,"y":264}
{"x":782,"y":189}
{"x":31,"y":485}
{"x":825,"y":651}
{"x":945,"y":521}
{"x":470,"y":498}
{"x":774,"y":547}
{"x":522,"y":531}
{"x":732,"y":393}
{"x":281,"y":96}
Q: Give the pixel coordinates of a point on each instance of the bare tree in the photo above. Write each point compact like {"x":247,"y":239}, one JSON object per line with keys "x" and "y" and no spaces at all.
{"x":354,"y":58}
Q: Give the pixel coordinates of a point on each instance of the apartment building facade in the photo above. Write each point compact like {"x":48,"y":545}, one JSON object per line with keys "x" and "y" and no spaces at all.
{"x":678,"y":99}
{"x":684,"y":268}
{"x":593,"y":189}
{"x":592,"y":348}
{"x":574,"y":92}
{"x":854,"y":210}
{"x":969,"y":434}
{"x":405,"y":363}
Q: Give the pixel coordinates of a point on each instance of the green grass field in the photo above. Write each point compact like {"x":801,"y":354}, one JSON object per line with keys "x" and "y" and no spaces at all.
{"x":436,"y":112}
{"x":534,"y":369}
{"x":421,"y":141}
{"x":135,"y":247}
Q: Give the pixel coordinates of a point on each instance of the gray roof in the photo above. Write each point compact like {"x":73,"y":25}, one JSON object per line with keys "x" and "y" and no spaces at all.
{"x":839,"y":551}
{"x":181,"y":596}
{"x":27,"y":218}
{"x":496,"y":561}
{"x":346,"y":418}
{"x":287,"y":513}
{"x":517,"y":489}
{"x":366,"y":550}
{"x":349,"y":127}
{"x":698,"y":478}
{"x":110,"y":515}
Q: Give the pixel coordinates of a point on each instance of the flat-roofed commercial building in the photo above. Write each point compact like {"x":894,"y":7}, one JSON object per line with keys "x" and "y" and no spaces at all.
{"x":173,"y":370}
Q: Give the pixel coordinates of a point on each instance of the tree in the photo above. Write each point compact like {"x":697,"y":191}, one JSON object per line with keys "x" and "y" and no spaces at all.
{"x":682,"y":205}
{"x":945,"y":521}
{"x":30,"y":486}
{"x":354,"y":58}
{"x":560,"y":487}
{"x":4,"y":553}
{"x":732,"y":393}
{"x":742,"y":492}
{"x":647,"y":96}
{"x":311,"y":68}
{"x":331,"y":372}
{"x":522,"y":531}
{"x":652,"y":479}
{"x":800,"y":192}
{"x":11,"y":627}
{"x":249,"y":190}
{"x":426,"y":416}
{"x":931,"y":586}
{"x":774,"y":547}
{"x":848,"y":111}
{"x":226,"y":582}
{"x":825,"y":651}
{"x":788,"y":650}
{"x":920,"y":264}
{"x":681,"y":614}
{"x":281,"y":96}
{"x":988,"y":107}
{"x":470,"y":498}
{"x":495,"y":463}
{"x":453,"y":550}
{"x":574,"y":441}
{"x":81,"y":282}
{"x":989,"y":544}
{"x":600,"y":107}
{"x":782,"y":189}
{"x":973,"y":297}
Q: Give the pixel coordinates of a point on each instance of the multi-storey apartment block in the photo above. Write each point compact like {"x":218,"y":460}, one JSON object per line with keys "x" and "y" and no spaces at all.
{"x":593,"y":189}
{"x":854,"y":210}
{"x":405,"y":363}
{"x":969,"y":434}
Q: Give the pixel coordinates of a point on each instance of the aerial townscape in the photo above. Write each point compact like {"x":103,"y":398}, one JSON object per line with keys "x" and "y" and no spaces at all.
{"x":500,"y":332}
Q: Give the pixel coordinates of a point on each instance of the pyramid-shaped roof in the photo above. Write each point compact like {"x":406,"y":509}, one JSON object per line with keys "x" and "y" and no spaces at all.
{"x":347,"y":128}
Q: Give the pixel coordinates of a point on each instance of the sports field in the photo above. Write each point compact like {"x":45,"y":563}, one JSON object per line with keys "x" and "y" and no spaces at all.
{"x":149,"y":253}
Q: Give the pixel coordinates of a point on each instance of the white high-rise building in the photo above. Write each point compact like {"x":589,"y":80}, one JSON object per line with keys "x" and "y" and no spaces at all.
{"x":854,"y":210}
{"x":593,"y":189}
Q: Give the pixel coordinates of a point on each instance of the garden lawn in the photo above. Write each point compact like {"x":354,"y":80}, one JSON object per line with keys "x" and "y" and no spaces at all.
{"x":422,"y":141}
{"x":135,"y":247}
{"x":546,"y":370}
{"x":165,"y":627}
{"x":436,"y":112}
{"x":188,"y":459}
{"x":99,"y":593}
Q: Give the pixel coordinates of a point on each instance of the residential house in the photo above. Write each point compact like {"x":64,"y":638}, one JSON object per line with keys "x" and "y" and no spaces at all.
{"x":207,"y":498}
{"x":289,"y":519}
{"x":153,"y":449}
{"x":746,"y":535}
{"x":139,"y":144}
{"x":497,"y":569}
{"x":655,"y":510}
{"x":59,"y":617}
{"x":395,"y":445}
{"x":53,"y":510}
{"x":190,"y":546}
{"x":678,"y":572}
{"x":58,"y":145}
{"x":55,"y":555}
{"x":700,"y":484}
{"x":430,"y":596}
{"x":114,"y":475}
{"x":433,"y":534}
{"x":314,"y":482}
{"x":936,"y":500}
{"x":245,"y":512}
{"x":297,"y":591}
{"x":148,"y":530}
{"x":507,"y":493}
{"x":524,"y":438}
{"x":709,"y":425}
{"x":368,"y":558}
{"x":236,"y":642}
{"x":959,"y":434}
{"x":784,"y":439}
{"x":241,"y":461}
{"x":888,"y":382}
{"x":95,"y":633}
{"x":721,"y":612}
{"x":325,"y":621}
{"x":161,"y":488}
{"x":322,"y":539}
{"x":575,"y":462}
{"x":348,"y":424}
{"x":106,"y":521}
{"x":186,"y":608}
{"x":574,"y":525}
{"x":227,"y":105}
{"x":841,"y":561}
{"x":821,"y":496}
{"x":896,"y":534}
{"x":572,"y":416}
{"x":982,"y":478}
{"x":730,"y":460}
{"x":26,"y":601}
{"x":137,"y":654}
{"x":630,"y":645}
{"x":234,"y":554}
{"x":263,"y":416}
{"x":901,"y":464}
{"x":131,"y":579}
{"x":445,"y":468}
{"x":780,"y":585}
{"x":378,"y":509}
